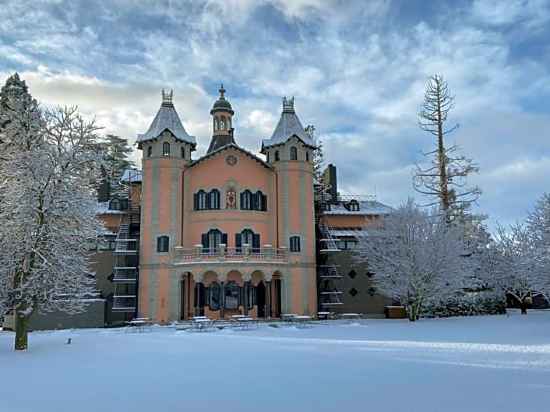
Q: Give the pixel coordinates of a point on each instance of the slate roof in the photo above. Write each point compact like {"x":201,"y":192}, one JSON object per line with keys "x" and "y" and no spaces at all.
{"x":131,"y":176}
{"x":289,"y":125}
{"x":166,"y":119}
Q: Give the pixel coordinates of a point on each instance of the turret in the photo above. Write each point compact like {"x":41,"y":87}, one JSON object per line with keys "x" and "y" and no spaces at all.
{"x":166,"y":154}
{"x":222,"y":123}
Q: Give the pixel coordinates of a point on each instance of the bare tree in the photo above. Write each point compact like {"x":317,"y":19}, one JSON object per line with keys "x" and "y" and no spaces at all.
{"x":48,"y":220}
{"x":415,"y":255}
{"x":445,"y":179}
{"x":538,"y":225}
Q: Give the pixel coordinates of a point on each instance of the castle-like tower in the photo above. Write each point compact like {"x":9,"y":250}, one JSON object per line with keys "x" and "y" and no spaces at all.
{"x":227,"y":233}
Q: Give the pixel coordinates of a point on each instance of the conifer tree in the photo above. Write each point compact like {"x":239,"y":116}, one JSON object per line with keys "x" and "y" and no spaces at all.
{"x":445,"y":179}
{"x":116,"y":152}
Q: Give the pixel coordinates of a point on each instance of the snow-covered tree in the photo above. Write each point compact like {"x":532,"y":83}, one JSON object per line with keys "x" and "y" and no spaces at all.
{"x":116,"y":152}
{"x":538,"y":226}
{"x":20,"y":120}
{"x":514,"y":266}
{"x":47,"y":218}
{"x":445,"y":179}
{"x":415,"y":255}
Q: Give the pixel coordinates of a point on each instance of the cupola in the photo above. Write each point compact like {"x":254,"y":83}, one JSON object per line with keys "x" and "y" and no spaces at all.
{"x":222,"y":122}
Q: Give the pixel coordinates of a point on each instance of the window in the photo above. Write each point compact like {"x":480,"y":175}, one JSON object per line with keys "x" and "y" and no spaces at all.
{"x":216,"y":124}
{"x":115,"y":205}
{"x":293,"y":153}
{"x":353,"y":206}
{"x":166,"y":149}
{"x":214,"y":296}
{"x":276,"y":155}
{"x":352,"y":274}
{"x":232,"y":293}
{"x":247,"y":237}
{"x":211,"y":241}
{"x":353,"y":292}
{"x":246,"y":200}
{"x":260,"y":201}
{"x":183,"y":152}
{"x":163,"y":243}
{"x":307,"y":156}
{"x":214,"y":199}
{"x":199,"y":200}
{"x":267,"y":157}
{"x":222,"y":123}
{"x":149,"y":151}
{"x":295,"y":244}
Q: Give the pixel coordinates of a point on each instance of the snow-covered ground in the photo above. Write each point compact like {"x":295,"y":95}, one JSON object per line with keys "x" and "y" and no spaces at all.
{"x":492,"y":363}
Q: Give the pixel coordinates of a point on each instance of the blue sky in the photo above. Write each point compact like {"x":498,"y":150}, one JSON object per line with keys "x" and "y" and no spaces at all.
{"x":356,"y":68}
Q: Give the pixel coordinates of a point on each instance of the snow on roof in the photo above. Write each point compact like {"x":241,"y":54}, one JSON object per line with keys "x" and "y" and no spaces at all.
{"x":103,"y":209}
{"x":366,"y":207}
{"x":345,"y":232}
{"x":131,"y":176}
{"x":289,"y":125}
{"x":166,"y":119}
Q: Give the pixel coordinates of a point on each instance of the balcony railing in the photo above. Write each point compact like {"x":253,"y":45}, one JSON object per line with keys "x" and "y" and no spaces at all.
{"x":124,"y":303}
{"x":125,"y":274}
{"x":222,"y":254}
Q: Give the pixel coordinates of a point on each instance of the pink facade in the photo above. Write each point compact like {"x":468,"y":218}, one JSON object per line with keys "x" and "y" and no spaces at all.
{"x":228,"y":233}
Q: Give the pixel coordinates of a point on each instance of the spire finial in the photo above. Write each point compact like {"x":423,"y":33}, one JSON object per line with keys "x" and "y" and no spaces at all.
{"x":288,"y":105}
{"x":167,"y":97}
{"x":222,"y":92}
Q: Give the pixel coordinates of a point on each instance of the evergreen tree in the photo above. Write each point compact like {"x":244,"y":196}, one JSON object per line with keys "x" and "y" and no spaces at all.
{"x":115,"y":151}
{"x":445,"y":179}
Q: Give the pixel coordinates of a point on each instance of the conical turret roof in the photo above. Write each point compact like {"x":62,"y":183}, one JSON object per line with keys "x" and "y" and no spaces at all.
{"x":166,"y":119}
{"x":289,"y":125}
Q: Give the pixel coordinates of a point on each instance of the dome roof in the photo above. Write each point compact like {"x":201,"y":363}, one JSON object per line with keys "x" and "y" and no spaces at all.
{"x":222,"y":104}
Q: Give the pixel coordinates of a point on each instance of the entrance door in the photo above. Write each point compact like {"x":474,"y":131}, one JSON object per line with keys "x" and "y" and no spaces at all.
{"x":260,"y":299}
{"x":183,"y":301}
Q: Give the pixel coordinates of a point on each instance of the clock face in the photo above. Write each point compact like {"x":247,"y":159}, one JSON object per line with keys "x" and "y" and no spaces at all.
{"x":231,"y":160}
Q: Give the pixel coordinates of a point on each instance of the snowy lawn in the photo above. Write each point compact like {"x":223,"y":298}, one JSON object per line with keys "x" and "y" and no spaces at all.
{"x":492,"y":363}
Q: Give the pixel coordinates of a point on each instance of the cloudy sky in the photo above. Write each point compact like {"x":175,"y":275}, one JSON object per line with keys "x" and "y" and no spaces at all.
{"x":356,"y":68}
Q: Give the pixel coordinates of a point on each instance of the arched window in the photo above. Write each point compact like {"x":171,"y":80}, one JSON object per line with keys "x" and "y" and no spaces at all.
{"x":276,"y":155}
{"x":246,"y":200}
{"x":214,"y":198}
{"x":115,"y":204}
{"x":293,"y":153}
{"x":307,"y":156}
{"x":229,"y":123}
{"x":216,"y":124}
{"x":267,"y":157}
{"x":200,"y":200}
{"x":222,"y":122}
{"x":214,"y":296}
{"x":354,"y":205}
{"x":295,"y":244}
{"x":211,"y":241}
{"x":149,"y":151}
{"x":166,"y":149}
{"x":163,"y":244}
{"x":260,"y":201}
{"x":182,"y":152}
{"x":232,"y":293}
{"x":247,"y":237}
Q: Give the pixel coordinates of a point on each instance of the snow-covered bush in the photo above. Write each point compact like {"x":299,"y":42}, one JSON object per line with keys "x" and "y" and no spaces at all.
{"x":416,"y":255}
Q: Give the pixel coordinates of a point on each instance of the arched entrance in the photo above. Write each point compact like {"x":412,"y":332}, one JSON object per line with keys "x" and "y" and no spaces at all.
{"x":261,"y":299}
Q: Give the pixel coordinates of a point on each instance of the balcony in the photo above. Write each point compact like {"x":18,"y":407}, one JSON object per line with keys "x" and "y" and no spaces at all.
{"x":126,"y":246}
{"x":222,"y":254}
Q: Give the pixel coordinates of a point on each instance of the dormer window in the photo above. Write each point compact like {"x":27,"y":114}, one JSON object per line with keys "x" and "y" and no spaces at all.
{"x":166,"y":149}
{"x":149,"y":151}
{"x":276,"y":155}
{"x":183,"y":152}
{"x":353,"y":206}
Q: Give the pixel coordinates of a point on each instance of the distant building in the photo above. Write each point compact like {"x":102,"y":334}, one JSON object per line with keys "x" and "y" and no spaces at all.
{"x":345,"y":285}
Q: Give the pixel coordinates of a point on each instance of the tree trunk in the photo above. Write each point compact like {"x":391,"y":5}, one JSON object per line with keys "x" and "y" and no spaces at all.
{"x":21,"y":332}
{"x":523,"y":307}
{"x":412,"y":310}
